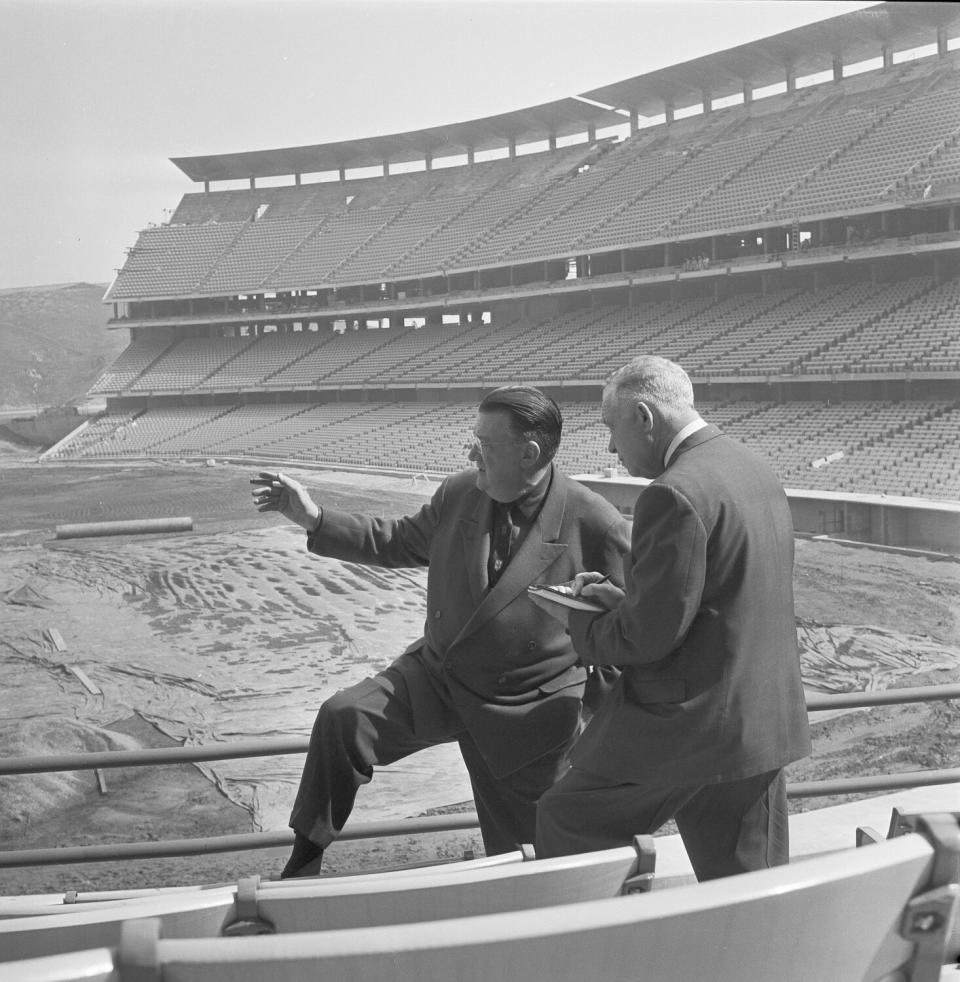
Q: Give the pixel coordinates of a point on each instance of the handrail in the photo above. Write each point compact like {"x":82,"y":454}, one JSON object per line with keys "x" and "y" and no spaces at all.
{"x":281,"y":746}
{"x":161,"y":849}
{"x":882,"y":697}
{"x":434,"y":823}
{"x":872,"y":782}
{"x":47,"y":763}
{"x":412,"y":826}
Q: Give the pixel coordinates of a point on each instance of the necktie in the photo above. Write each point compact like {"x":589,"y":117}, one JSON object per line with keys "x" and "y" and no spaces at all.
{"x":502,"y":537}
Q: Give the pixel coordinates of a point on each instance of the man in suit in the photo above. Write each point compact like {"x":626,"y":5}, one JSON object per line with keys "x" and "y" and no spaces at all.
{"x":709,"y":706}
{"x":492,"y":671}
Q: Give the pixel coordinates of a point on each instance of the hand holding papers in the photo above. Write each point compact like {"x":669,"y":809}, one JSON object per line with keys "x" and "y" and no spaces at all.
{"x":559,"y":599}
{"x":564,"y":596}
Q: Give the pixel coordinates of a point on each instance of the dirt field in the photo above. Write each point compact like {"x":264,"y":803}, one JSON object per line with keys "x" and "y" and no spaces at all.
{"x":867,"y":619}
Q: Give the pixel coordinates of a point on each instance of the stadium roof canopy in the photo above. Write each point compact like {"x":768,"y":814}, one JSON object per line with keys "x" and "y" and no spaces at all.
{"x":564,"y":117}
{"x":860,"y":35}
{"x":854,"y":37}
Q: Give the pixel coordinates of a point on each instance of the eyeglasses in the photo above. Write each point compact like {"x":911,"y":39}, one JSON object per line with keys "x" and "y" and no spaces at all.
{"x":482,"y":446}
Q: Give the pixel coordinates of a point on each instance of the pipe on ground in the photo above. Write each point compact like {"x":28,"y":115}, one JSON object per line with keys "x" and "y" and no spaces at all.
{"x":137,"y":526}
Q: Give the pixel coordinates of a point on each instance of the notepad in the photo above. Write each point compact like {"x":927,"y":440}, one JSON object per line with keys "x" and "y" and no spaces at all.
{"x":560,"y":596}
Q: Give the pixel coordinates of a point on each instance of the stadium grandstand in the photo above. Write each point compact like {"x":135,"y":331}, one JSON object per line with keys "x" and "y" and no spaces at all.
{"x":782,"y":218}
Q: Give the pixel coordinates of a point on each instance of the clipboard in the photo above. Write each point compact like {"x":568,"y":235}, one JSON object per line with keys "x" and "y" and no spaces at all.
{"x":558,"y":596}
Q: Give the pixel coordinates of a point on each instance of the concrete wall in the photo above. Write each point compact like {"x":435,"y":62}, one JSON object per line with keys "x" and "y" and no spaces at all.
{"x":886,"y":520}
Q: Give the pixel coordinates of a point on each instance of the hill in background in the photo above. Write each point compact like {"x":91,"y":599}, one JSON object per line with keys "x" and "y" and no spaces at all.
{"x":55,"y":343}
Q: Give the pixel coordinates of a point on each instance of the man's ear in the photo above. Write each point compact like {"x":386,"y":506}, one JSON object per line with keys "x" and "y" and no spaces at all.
{"x":644,"y":415}
{"x":530,"y":455}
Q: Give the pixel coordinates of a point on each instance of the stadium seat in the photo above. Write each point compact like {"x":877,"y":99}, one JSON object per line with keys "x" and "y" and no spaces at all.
{"x":821,"y":919}
{"x":338,"y":902}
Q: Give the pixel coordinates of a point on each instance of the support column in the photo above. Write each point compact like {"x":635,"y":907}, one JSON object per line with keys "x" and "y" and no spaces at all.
{"x":837,"y":68}
{"x":592,"y":133}
{"x":942,"y":42}
{"x":887,"y":52}
{"x":552,"y":141}
{"x":747,"y":93}
{"x":253,"y":184}
{"x":386,"y":168}
{"x":706,"y":97}
{"x":429,"y":160}
{"x":471,"y":156}
{"x":296,"y":179}
{"x":668,"y":111}
{"x":513,"y":148}
{"x":206,"y":187}
{"x":791,"y":80}
{"x":634,"y":121}
{"x":343,"y":173}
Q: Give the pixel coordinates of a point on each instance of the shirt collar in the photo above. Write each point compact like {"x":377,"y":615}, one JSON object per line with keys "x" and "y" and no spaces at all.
{"x":530,"y":501}
{"x":688,"y":430}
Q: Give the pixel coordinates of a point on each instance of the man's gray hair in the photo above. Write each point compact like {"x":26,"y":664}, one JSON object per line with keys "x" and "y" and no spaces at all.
{"x":653,"y":379}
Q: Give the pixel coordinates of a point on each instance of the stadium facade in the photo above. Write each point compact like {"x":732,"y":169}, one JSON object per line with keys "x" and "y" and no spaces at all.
{"x":782,"y":218}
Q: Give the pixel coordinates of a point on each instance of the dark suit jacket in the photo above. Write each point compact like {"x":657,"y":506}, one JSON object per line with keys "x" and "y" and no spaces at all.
{"x":706,"y":636}
{"x":508,"y":668}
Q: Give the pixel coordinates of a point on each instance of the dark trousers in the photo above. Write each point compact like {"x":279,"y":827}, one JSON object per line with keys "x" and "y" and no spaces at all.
{"x":372,"y":724}
{"x":726,"y":828}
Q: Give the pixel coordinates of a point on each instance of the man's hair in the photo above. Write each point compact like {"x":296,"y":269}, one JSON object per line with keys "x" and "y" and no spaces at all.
{"x":653,"y":379}
{"x":533,"y":416}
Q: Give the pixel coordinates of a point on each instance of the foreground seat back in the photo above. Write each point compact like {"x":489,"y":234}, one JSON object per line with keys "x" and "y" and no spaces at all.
{"x":344,"y":902}
{"x":29,"y":905}
{"x":822,"y":919}
{"x":825,"y":918}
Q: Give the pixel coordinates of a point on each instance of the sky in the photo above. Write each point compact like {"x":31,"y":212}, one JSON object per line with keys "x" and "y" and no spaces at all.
{"x":97,"y":95}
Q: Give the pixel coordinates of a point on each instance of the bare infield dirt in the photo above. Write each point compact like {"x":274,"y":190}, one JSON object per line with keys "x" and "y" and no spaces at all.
{"x":910,"y":603}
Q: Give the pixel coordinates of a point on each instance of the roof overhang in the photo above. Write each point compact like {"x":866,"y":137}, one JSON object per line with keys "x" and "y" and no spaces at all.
{"x":564,"y":117}
{"x":848,"y":39}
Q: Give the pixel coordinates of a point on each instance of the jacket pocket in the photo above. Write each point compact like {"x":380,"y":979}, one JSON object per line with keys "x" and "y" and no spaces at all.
{"x":575,"y":675}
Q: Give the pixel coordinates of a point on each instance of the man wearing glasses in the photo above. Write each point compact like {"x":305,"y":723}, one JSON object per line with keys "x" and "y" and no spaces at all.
{"x":492,"y":671}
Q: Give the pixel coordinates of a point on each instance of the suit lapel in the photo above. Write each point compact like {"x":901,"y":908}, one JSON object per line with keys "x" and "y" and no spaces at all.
{"x":537,"y":553}
{"x":475,"y":535}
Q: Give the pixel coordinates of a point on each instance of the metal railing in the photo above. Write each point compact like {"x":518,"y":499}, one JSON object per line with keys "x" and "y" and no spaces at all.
{"x":416,"y":826}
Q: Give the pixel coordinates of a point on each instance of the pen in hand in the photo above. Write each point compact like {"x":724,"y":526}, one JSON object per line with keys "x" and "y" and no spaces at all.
{"x":580,"y":586}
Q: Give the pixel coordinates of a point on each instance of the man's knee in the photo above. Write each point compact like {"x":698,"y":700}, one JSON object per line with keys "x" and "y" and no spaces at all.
{"x":339,"y":714}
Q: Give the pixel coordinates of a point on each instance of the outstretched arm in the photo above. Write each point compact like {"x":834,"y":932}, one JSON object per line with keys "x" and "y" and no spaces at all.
{"x":277,"y":492}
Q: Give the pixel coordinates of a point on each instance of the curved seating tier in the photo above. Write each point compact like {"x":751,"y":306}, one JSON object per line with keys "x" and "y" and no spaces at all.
{"x":825,"y":150}
{"x":910,"y":448}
